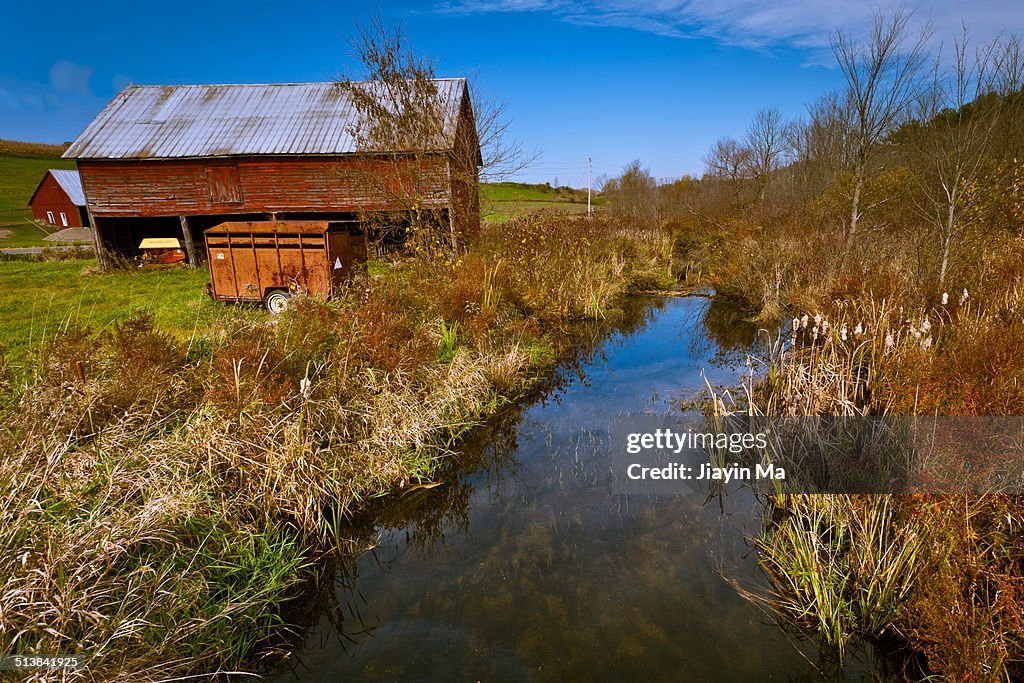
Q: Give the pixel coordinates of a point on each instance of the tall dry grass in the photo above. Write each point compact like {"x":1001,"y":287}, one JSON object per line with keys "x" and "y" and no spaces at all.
{"x":160,"y":502}
{"x":941,"y":574}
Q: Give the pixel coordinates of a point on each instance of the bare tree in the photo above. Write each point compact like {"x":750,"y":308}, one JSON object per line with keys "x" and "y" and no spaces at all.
{"x":765,"y":140}
{"x":727,"y":160}
{"x":956,"y":114}
{"x":1007,"y":80}
{"x":634,"y":194}
{"x":403,"y":128}
{"x":881,"y":83}
{"x":398,"y":129}
{"x":502,"y":155}
{"x":818,"y":145}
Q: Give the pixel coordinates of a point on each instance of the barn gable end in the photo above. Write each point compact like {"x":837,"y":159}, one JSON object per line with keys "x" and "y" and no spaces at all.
{"x":58,"y":200}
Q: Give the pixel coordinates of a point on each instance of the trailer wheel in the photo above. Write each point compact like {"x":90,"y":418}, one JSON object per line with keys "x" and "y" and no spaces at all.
{"x":277,"y":301}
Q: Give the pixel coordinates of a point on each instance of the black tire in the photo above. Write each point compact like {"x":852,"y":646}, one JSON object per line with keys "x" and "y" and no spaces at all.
{"x":277,"y":300}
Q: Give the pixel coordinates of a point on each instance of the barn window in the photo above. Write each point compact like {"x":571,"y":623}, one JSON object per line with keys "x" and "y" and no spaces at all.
{"x":224,"y":187}
{"x":49,"y":218}
{"x":63,"y":219}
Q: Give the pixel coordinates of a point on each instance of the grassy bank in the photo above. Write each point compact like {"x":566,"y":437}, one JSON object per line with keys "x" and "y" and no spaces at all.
{"x":873,"y":331}
{"x":165,"y":496}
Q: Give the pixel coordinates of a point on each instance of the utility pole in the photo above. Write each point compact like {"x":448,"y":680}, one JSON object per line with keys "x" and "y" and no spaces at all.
{"x":589,"y":165}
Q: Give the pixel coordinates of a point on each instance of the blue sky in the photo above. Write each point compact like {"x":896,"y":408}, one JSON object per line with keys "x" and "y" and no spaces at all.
{"x":655,"y":80}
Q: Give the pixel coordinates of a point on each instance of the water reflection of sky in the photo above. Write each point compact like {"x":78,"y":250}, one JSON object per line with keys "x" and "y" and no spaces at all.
{"x":529,"y":568}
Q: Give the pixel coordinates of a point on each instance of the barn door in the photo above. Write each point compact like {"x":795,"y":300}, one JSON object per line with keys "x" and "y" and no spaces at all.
{"x":224,"y":186}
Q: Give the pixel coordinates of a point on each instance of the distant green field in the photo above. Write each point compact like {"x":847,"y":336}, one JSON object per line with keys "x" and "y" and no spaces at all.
{"x":42,"y":298}
{"x":501,"y":201}
{"x":19,"y":176}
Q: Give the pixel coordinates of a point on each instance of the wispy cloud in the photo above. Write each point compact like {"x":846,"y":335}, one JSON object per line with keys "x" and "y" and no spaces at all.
{"x":756,"y":24}
{"x":67,"y":76}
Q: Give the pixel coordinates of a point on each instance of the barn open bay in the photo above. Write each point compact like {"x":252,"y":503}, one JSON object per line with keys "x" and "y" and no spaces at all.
{"x":525,"y":566}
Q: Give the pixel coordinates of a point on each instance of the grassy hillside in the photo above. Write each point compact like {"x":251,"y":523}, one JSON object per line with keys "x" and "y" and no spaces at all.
{"x":501,"y":201}
{"x":22,"y":165}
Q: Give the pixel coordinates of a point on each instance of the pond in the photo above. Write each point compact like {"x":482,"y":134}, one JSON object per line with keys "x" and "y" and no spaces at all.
{"x":525,"y":566}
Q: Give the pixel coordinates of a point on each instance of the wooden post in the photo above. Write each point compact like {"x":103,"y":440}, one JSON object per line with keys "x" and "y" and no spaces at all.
{"x":190,"y":248}
{"x":97,"y":241}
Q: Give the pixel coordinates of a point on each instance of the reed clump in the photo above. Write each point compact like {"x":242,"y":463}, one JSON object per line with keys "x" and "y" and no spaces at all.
{"x":160,"y":500}
{"x":939,"y":574}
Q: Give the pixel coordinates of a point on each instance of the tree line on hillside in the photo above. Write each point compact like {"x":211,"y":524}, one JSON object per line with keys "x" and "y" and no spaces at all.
{"x":920,"y":149}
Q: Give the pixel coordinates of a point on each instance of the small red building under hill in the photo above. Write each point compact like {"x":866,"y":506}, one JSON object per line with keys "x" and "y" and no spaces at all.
{"x":59,"y":200}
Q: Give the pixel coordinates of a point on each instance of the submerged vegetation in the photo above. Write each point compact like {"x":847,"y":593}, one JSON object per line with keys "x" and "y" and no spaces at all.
{"x":163,"y":498}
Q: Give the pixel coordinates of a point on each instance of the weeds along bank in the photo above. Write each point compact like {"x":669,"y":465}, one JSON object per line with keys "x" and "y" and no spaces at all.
{"x":939,"y":578}
{"x":160,"y":500}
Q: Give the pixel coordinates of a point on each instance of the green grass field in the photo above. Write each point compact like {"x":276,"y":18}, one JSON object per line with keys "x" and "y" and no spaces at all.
{"x":19,"y":176}
{"x":42,"y":298}
{"x":501,"y":201}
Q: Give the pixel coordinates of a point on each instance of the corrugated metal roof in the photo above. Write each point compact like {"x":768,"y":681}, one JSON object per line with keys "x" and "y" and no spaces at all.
{"x":175,"y":121}
{"x":71,"y":182}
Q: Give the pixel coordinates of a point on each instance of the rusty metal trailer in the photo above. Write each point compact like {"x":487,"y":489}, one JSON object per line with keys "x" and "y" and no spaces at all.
{"x":269,"y":261}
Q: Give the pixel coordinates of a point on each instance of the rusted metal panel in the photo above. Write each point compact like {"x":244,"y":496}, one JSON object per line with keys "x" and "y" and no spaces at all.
{"x":249,"y":259}
{"x":170,"y":122}
{"x":52,"y":198}
{"x":260,"y":185}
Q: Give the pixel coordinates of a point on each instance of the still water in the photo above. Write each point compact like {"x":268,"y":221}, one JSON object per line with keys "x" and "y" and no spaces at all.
{"x":524,"y":566}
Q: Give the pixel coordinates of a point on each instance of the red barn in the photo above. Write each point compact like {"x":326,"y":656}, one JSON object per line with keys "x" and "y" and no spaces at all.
{"x":59,"y":200}
{"x":171,"y":161}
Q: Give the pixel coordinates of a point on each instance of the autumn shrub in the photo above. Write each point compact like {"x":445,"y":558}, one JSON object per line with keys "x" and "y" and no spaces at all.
{"x":145,"y":368}
{"x":966,"y":613}
{"x":251,"y":371}
{"x":388,"y":338}
{"x":314,"y":328}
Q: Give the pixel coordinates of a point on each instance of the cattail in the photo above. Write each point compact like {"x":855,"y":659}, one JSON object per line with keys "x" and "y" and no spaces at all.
{"x":305,"y":387}
{"x":925,"y":325}
{"x":796,"y":324}
{"x":964,"y":296}
{"x":945,"y":298}
{"x":889,"y":341}
{"x":926,"y":343}
{"x":803,"y":321}
{"x":859,"y":330}
{"x":817,"y":318}
{"x":842,"y":332}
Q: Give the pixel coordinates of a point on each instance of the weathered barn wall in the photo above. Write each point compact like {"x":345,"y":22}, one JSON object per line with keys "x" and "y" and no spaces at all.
{"x":253,"y":185}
